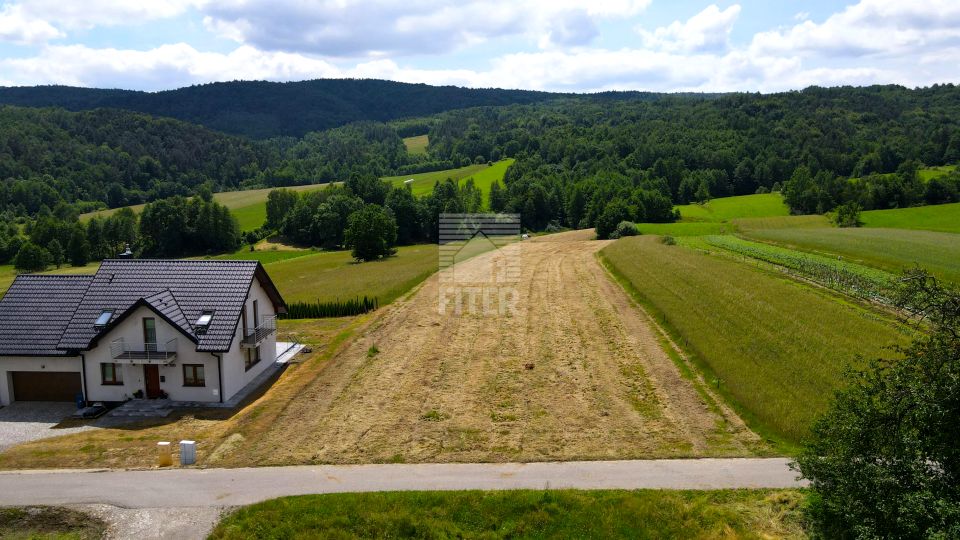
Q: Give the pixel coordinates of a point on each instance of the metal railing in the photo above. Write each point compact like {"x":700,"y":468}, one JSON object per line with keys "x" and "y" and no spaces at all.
{"x":148,"y":353}
{"x":267,"y":327}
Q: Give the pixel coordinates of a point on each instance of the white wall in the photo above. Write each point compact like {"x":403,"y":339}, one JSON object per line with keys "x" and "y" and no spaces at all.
{"x":42,"y":364}
{"x":235,"y":375}
{"x":131,"y":329}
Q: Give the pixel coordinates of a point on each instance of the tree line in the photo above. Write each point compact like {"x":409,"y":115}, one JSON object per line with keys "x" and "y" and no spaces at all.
{"x":172,"y":227}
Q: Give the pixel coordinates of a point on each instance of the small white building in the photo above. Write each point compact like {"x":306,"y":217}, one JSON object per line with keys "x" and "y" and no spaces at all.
{"x":184,"y":330}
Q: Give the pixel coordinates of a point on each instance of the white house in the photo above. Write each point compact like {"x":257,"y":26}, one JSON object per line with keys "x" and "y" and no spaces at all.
{"x":187,"y":330}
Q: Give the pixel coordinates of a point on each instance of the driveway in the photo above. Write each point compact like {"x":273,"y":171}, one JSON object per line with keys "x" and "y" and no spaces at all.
{"x":24,"y":421}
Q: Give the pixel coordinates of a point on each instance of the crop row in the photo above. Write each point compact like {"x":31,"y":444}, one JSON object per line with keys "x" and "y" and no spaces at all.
{"x":837,"y":274}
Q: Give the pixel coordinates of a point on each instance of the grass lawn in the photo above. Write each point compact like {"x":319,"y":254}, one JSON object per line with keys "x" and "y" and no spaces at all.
{"x":49,"y":523}
{"x":483,"y":176}
{"x":417,"y":145}
{"x":524,"y":514}
{"x":939,"y":218}
{"x":888,"y":249}
{"x":775,"y":347}
{"x":331,"y":275}
{"x":727,"y":208}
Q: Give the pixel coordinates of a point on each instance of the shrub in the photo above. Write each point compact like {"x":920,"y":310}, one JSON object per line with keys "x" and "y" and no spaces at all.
{"x":848,"y":215}
{"x":627,"y":228}
{"x":668,"y":240}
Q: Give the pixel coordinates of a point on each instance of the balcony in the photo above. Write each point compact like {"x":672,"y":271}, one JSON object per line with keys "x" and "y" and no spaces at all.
{"x":148,"y":353}
{"x":266,"y":328}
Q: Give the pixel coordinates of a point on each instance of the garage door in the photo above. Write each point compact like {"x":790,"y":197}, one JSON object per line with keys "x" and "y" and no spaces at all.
{"x":45,"y":386}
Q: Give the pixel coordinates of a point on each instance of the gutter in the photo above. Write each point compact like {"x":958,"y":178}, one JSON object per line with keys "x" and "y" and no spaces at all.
{"x":219,"y":358}
{"x":83,"y":377}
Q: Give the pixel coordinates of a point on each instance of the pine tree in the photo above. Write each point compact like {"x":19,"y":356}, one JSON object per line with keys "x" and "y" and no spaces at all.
{"x":55,"y":250}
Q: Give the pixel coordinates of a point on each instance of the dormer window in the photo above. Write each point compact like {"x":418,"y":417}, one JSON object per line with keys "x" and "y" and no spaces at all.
{"x":103,"y":319}
{"x":203,"y":322}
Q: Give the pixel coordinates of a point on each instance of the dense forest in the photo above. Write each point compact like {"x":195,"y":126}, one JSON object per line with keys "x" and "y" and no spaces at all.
{"x":581,"y":161}
{"x":261,"y":109}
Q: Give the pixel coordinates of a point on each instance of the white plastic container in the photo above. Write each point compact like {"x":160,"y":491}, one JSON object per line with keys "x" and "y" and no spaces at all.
{"x":188,"y":453}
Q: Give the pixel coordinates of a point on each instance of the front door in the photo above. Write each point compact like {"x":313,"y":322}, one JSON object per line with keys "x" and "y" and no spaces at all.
{"x":151,"y":376}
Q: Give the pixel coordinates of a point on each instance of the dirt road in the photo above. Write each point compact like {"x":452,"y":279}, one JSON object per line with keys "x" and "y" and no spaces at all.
{"x":574,"y":371}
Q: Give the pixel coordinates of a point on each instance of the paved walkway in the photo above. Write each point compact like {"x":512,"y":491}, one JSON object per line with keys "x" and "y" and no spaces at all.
{"x":230,"y":487}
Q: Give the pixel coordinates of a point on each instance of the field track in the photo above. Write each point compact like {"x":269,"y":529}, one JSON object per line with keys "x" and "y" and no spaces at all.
{"x":576,"y":373}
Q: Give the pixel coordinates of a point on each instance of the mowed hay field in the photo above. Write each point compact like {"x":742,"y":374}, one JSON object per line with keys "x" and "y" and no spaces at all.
{"x":576,"y":372}
{"x":892,"y":250}
{"x":776,"y":347}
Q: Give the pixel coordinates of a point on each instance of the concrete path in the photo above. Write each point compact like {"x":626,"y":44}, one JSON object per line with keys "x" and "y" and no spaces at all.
{"x":232,"y":487}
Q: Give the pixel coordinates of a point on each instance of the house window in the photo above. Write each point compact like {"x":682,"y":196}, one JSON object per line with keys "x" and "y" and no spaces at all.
{"x":111,"y":374}
{"x":253,"y":357}
{"x":150,"y":334}
{"x":193,"y":375}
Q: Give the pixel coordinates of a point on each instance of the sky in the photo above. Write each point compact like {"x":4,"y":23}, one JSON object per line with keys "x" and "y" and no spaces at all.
{"x":556,"y":45}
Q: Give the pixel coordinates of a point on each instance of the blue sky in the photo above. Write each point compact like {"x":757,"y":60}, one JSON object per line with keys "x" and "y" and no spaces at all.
{"x":565,"y":45}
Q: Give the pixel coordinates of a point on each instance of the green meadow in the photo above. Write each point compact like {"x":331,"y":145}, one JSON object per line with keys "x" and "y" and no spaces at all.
{"x":417,"y":145}
{"x":776,"y":347}
{"x":938,"y":218}
{"x":728,"y":208}
{"x":483,"y":176}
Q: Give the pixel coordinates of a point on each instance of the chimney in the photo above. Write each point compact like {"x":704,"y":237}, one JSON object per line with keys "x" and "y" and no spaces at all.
{"x":128,"y":254}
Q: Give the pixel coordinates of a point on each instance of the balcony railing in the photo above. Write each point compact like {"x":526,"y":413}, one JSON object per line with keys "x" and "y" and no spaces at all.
{"x":266,"y":328}
{"x":148,"y":353}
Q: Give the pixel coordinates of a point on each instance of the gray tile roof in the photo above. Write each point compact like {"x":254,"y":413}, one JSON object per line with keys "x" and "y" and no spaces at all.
{"x":56,"y":314}
{"x":36,"y":310}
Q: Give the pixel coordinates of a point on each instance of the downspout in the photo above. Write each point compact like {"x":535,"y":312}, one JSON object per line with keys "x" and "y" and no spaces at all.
{"x":219,"y":374}
{"x":83,"y":377}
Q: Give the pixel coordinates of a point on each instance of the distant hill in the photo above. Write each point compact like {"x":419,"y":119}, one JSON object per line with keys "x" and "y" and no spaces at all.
{"x":260,"y":109}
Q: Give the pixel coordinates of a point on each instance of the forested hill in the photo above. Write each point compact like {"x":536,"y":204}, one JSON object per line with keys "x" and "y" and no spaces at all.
{"x":260,"y":109}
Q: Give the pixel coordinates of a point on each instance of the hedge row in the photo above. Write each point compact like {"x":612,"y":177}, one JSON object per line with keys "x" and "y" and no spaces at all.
{"x":336,"y":308}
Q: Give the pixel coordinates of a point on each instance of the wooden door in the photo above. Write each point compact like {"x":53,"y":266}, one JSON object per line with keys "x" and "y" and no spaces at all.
{"x":151,"y":376}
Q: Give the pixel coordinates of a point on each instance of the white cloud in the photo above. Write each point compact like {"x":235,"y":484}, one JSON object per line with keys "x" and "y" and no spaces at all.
{"x":888,"y":27}
{"x":168,"y":66}
{"x":19,"y":27}
{"x":73,"y":14}
{"x":706,"y":31}
{"x":358,"y":29}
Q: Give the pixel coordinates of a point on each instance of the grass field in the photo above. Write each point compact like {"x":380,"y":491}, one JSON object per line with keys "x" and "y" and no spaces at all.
{"x":483,"y":176}
{"x":524,"y":514}
{"x":728,"y":208}
{"x":929,"y":173}
{"x":249,"y":206}
{"x":417,"y":145}
{"x":938,"y":218}
{"x":887,"y":249}
{"x":684,"y":228}
{"x":776,"y":347}
{"x":331,"y":275}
